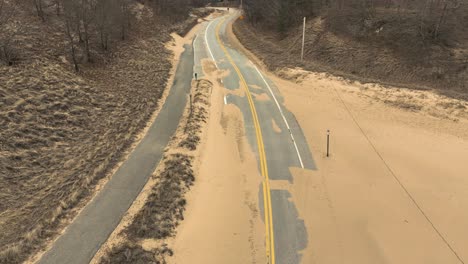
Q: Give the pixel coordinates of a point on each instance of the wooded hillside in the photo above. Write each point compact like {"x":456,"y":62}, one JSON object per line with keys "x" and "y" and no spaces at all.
{"x":422,"y":42}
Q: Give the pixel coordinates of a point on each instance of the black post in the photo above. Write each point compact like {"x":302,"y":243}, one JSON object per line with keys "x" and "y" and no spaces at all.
{"x":328,"y":143}
{"x":196,"y":76}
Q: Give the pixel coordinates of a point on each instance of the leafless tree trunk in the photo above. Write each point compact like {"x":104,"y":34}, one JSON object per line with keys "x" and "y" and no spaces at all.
{"x":9,"y":28}
{"x":71,"y":21}
{"x":441,"y":20}
{"x":78,"y":31}
{"x":57,"y":7}
{"x":423,"y":15}
{"x":103,"y":15}
{"x":85,"y":20}
{"x":72,"y":44}
{"x":38,"y":4}
{"x":124,"y":18}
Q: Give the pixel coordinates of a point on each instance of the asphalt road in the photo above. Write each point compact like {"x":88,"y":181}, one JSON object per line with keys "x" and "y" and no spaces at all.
{"x":282,"y":150}
{"x":91,"y":228}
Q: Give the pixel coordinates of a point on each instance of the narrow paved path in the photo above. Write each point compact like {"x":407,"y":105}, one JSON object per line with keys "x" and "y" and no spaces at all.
{"x":100,"y":217}
{"x":277,"y":148}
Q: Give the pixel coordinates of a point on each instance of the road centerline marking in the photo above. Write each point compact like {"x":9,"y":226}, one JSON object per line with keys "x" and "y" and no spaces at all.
{"x":208,"y":45}
{"x":270,"y":245}
{"x":282,"y":114}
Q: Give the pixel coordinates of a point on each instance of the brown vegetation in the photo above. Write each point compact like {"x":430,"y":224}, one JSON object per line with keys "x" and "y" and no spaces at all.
{"x":164,"y":207}
{"x":183,"y":28}
{"x":197,"y":115}
{"x":63,"y":131}
{"x":413,"y":43}
{"x":130,"y":253}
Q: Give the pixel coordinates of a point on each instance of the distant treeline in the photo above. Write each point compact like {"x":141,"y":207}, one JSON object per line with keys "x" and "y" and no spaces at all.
{"x":428,"y":17}
{"x":84,"y":21}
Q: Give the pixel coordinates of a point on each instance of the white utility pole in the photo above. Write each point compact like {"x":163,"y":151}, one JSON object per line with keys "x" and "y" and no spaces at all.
{"x":303,"y":39}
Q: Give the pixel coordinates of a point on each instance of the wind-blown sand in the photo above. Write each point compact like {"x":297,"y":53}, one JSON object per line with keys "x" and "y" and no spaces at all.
{"x":397,"y":157}
{"x":357,"y":206}
{"x":223,"y":223}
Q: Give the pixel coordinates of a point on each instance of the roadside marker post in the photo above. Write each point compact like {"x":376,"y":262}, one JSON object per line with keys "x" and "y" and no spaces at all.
{"x":196,"y":76}
{"x":328,"y":143}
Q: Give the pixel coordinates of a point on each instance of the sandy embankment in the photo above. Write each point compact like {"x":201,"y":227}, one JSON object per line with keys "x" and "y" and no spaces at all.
{"x":223,"y":224}
{"x":386,"y":145}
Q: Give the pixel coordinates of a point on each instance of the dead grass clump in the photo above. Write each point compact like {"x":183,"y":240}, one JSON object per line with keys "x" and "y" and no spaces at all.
{"x":406,"y":105}
{"x":166,"y":203}
{"x":159,"y":216}
{"x":12,"y":254}
{"x":129,"y":253}
{"x":198,"y":114}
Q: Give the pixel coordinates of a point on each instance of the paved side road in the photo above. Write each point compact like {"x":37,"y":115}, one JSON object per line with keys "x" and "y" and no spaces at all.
{"x":100,"y":217}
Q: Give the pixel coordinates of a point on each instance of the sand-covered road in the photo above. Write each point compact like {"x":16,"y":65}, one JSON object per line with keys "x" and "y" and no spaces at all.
{"x":266,"y":141}
{"x":394,"y":190}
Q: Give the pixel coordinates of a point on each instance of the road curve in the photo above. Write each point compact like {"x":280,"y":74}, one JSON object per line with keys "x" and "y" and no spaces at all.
{"x":276,"y":149}
{"x":100,"y":217}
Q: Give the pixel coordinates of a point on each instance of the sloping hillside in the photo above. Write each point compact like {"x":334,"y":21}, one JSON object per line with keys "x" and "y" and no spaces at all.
{"x":387,"y":44}
{"x":62,"y":130}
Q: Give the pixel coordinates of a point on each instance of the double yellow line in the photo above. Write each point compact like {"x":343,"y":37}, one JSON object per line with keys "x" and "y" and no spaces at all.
{"x":270,"y":238}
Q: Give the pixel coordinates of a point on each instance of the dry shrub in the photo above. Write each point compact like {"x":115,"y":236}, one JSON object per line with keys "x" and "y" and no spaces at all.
{"x":198,"y":114}
{"x":404,"y":105}
{"x":165,"y":205}
{"x":184,"y":27}
{"x":159,"y":216}
{"x":12,"y":254}
{"x":129,"y":253}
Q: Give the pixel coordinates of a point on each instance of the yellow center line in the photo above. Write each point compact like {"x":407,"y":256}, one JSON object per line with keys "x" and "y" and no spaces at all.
{"x":270,"y":240}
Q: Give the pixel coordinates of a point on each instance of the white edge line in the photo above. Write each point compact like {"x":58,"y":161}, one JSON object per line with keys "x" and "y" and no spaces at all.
{"x":269,"y":88}
{"x":194,"y":40}
{"x":282,"y":115}
{"x":208,"y":45}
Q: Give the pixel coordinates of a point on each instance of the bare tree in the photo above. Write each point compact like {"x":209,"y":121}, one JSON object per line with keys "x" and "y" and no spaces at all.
{"x":433,"y":16}
{"x":447,"y":6}
{"x":71,"y":19}
{"x":103,"y":21}
{"x":9,"y":29}
{"x":172,"y":9}
{"x":85,"y":18}
{"x":124,"y":18}
{"x":57,"y":7}
{"x":39,"y":5}
{"x":72,"y":44}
